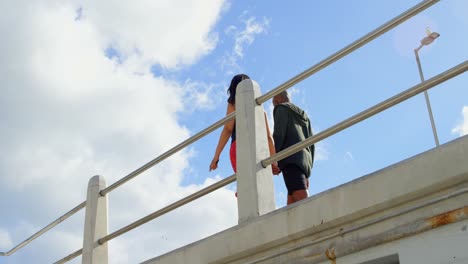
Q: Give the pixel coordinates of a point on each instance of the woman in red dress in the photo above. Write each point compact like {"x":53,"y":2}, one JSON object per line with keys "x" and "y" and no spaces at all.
{"x":229,"y":130}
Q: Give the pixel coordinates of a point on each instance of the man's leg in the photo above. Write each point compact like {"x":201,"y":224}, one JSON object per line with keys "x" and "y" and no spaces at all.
{"x":296,"y":183}
{"x":299,"y":195}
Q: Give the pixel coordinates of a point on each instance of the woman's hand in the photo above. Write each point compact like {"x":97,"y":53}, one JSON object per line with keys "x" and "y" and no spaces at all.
{"x":214,"y":164}
{"x":275,"y":169}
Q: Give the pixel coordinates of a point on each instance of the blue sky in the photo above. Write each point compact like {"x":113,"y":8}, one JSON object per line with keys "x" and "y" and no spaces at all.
{"x":102,"y":88}
{"x":298,"y":36}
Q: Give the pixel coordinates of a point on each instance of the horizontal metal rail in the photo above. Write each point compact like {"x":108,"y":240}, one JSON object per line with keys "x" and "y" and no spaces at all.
{"x":459,"y":69}
{"x":348,"y":49}
{"x":70,"y":257}
{"x":126,"y":178}
{"x":169,"y":208}
{"x":45,"y":229}
{"x":156,"y":214}
{"x":169,"y":153}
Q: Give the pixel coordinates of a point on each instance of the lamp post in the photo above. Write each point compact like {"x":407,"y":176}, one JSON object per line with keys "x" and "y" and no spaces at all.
{"x":424,"y":42}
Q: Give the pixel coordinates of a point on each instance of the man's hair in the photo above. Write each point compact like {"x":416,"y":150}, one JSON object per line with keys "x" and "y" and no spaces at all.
{"x":285,"y":96}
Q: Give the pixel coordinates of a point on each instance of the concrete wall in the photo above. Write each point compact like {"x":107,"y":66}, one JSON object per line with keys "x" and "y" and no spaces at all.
{"x":444,"y":245}
{"x":393,"y":211}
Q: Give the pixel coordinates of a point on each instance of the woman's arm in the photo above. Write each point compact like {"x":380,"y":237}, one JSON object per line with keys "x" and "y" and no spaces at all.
{"x":223,"y":138}
{"x":271,"y":146}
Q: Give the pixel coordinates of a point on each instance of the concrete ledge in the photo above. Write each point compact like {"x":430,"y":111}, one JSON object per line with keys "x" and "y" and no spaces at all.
{"x":422,"y":175}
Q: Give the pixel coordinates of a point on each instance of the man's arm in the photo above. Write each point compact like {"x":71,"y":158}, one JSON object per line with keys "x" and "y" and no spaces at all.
{"x":311,"y":147}
{"x":280,"y":114}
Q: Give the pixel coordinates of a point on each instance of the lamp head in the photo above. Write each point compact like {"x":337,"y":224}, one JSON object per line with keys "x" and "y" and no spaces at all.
{"x":430,"y":38}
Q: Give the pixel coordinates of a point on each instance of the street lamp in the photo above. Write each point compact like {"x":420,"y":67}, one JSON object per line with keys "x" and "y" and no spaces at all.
{"x":431,"y":36}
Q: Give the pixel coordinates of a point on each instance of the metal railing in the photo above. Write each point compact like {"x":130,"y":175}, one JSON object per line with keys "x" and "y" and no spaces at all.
{"x":169,"y":153}
{"x":125,"y":179}
{"x":156,"y":214}
{"x":70,"y":257}
{"x":289,"y":151}
{"x":417,"y":89}
{"x":409,"y":93}
{"x":170,"y":207}
{"x":348,"y":49}
{"x":45,"y":229}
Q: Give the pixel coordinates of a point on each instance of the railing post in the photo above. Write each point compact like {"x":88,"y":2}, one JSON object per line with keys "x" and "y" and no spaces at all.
{"x":254,"y":183}
{"x":96,"y":223}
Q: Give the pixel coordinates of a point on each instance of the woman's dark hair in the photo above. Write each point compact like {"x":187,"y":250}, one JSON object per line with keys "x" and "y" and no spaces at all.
{"x":232,"y":88}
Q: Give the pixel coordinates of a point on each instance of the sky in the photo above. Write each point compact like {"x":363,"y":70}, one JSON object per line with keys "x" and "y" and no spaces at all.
{"x":102,"y":87}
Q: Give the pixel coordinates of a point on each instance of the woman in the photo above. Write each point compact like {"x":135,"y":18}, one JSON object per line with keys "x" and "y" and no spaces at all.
{"x":229,"y":130}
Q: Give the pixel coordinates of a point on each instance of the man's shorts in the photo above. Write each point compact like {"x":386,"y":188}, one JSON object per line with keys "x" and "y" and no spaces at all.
{"x":294,"y":178}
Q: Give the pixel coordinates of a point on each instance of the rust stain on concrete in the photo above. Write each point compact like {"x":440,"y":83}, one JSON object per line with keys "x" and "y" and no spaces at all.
{"x":330,"y":253}
{"x":447,"y":217}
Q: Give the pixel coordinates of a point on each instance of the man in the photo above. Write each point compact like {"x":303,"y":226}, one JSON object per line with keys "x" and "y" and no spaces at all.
{"x":292,"y":126}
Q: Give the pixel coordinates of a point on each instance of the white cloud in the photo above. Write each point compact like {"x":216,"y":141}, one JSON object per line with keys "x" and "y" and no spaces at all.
{"x":462,"y":128}
{"x":243,"y":38}
{"x":69,"y":112}
{"x":293,"y":91}
{"x":203,"y":96}
{"x":157,"y":30}
{"x":349,"y":155}
{"x":5,"y":240}
{"x":321,"y":151}
{"x":246,"y":37}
